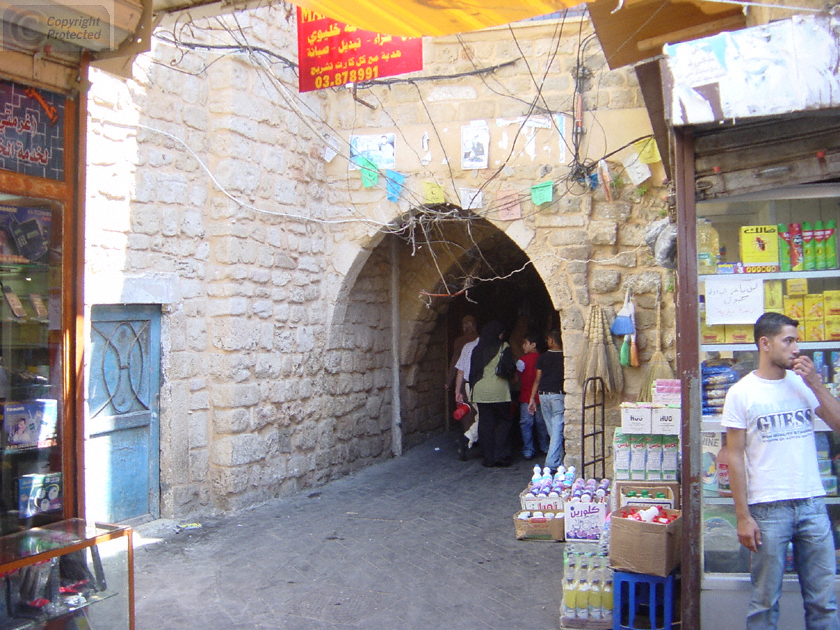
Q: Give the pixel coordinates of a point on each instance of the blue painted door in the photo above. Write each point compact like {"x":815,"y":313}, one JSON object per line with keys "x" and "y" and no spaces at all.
{"x":122,"y":477}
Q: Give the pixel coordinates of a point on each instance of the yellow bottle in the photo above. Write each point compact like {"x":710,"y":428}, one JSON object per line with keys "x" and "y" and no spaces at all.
{"x":596,"y":600}
{"x":607,"y":600}
{"x":570,"y":599}
{"x":582,"y":599}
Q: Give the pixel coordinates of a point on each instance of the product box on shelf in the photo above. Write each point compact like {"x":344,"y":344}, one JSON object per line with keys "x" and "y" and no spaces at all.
{"x":539,"y":503}
{"x":814,"y":306}
{"x":760,"y":248}
{"x":638,"y":457}
{"x":584,"y":521}
{"x":670,"y":457}
{"x":665,"y":420}
{"x":666,"y":391}
{"x":30,"y":424}
{"x":794,"y":306}
{"x":739,"y":333}
{"x":832,"y":328}
{"x":540,"y":527}
{"x":653,"y":463}
{"x":796,"y":286}
{"x":634,"y":494}
{"x":814,"y":330}
{"x":39,"y":493}
{"x":774,"y":296}
{"x":621,"y":455}
{"x":712,"y":334}
{"x":831,"y":303}
{"x":651,"y":548}
{"x":635,"y":417}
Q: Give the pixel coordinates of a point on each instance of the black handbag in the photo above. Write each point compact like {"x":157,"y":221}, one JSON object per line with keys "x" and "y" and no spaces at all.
{"x":506,"y":367}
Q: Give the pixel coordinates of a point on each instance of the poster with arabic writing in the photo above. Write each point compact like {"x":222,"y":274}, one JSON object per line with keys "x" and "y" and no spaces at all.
{"x":31,"y":131}
{"x":331,"y":53}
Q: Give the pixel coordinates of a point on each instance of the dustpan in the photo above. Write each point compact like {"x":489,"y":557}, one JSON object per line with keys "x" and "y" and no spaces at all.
{"x":623,"y":324}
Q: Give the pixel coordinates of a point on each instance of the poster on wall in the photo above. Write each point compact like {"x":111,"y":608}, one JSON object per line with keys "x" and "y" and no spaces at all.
{"x":24,"y":234}
{"x":31,"y":131}
{"x":331,"y":53}
{"x":377,"y":148}
{"x":475,"y":145}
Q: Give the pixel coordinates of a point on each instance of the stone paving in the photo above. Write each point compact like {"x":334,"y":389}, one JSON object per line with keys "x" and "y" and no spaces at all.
{"x":424,"y":541}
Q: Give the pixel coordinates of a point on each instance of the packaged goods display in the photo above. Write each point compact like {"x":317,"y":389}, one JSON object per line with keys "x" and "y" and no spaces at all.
{"x":587,"y":588}
{"x":708,"y":247}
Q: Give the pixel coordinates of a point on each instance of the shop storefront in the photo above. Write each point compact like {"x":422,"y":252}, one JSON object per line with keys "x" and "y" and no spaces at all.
{"x":756,"y":165}
{"x":54,"y":566}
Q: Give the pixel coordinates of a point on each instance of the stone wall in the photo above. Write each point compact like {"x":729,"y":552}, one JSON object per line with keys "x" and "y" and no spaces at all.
{"x":208,"y":194}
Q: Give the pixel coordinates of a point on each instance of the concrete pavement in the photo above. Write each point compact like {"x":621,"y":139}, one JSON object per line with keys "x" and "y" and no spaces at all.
{"x":419,"y":542}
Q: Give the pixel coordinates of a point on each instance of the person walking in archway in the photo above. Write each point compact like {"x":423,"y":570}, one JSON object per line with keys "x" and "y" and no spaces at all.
{"x":491,"y":368}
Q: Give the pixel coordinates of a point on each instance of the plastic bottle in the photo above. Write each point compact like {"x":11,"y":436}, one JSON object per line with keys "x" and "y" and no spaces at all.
{"x":797,"y":260}
{"x":570,"y":584}
{"x":604,"y":539}
{"x":708,"y":247}
{"x":582,"y":595}
{"x":830,"y":239}
{"x":723,"y":471}
{"x":819,"y":247}
{"x":607,"y":599}
{"x":808,"y":246}
{"x":595,"y":603}
{"x":784,"y":247}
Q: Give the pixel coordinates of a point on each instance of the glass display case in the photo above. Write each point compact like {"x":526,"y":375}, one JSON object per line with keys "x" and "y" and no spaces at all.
{"x":739,"y":281}
{"x":68,"y":575}
{"x":32,"y":484}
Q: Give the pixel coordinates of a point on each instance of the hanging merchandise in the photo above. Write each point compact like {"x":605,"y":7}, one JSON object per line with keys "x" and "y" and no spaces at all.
{"x":623,"y":323}
{"x":625,"y":352}
{"x":658,"y":366}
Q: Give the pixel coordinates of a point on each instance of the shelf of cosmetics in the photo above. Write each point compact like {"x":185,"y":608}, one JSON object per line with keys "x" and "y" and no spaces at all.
{"x":769,"y":248}
{"x":718,"y":375}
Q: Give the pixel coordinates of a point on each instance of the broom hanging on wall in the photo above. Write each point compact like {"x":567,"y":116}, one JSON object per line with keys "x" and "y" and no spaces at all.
{"x":658,"y":366}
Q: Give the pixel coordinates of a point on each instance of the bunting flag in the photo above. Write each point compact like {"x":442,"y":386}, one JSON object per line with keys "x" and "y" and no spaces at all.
{"x":394,"y":185}
{"x":370,"y":174}
{"x":542,"y":193}
{"x":433,"y":192}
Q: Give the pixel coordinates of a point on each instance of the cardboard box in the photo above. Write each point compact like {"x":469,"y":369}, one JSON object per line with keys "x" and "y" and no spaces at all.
{"x":620,"y":487}
{"x":670,"y":458}
{"x":665,"y":420}
{"x":712,"y":334}
{"x":638,"y":457}
{"x":540,"y":503}
{"x":760,"y":248}
{"x":773,"y":296}
{"x":796,"y":286}
{"x":794,"y":306}
{"x":739,"y":333}
{"x":667,"y":391}
{"x":541,"y":528}
{"x":653,"y":463}
{"x":635,"y":419}
{"x":831,"y":303}
{"x":814,"y":330}
{"x":668,"y":501}
{"x":650,"y":548}
{"x":621,"y":455}
{"x":832,"y":328}
{"x":584,"y":521}
{"x":814,"y":306}
{"x":31,"y":424}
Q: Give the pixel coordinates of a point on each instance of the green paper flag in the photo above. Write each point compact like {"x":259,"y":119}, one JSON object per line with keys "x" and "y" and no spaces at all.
{"x":542,"y":193}
{"x":370,"y":174}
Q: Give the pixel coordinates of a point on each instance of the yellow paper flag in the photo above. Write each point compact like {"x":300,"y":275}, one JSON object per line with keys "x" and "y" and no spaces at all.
{"x":432,"y":192}
{"x":648,"y":151}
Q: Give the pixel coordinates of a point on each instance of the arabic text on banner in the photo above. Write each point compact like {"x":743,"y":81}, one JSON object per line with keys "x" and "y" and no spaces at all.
{"x":738,"y":300}
{"x":331,"y":53}
{"x":31,"y":131}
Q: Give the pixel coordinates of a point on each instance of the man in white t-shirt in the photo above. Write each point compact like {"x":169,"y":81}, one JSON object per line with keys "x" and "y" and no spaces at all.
{"x":769,"y":417}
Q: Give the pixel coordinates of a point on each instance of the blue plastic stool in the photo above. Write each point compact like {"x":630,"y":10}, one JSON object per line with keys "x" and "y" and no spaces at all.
{"x":632,"y":590}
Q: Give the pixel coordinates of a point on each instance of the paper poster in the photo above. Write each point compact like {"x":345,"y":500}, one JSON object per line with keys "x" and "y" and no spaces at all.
{"x":734,"y":300}
{"x":510,"y":208}
{"x":471,"y":198}
{"x":648,"y":151}
{"x":394,"y":185}
{"x":432,"y":192}
{"x":378,"y":148}
{"x":542,"y":193}
{"x":636,"y":170}
{"x":370,"y":176}
{"x":332,"y":53}
{"x":475,"y":145}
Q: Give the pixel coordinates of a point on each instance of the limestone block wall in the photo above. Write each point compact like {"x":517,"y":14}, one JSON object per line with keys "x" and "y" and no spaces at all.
{"x":208,"y":193}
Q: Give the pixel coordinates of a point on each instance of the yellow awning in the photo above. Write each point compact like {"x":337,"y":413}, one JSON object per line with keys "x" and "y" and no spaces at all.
{"x":413,"y":18}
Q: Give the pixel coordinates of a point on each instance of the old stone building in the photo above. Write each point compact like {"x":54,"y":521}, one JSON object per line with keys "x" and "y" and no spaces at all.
{"x":306,"y":319}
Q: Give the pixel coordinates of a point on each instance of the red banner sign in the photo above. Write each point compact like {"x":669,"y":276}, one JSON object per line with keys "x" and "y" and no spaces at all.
{"x":331,"y":53}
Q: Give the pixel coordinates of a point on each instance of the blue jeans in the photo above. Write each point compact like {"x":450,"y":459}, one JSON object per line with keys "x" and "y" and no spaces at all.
{"x":553,"y":410}
{"x":805,"y":522}
{"x":527,"y":421}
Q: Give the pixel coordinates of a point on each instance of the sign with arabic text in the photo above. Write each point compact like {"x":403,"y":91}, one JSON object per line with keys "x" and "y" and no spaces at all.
{"x":331,"y":53}
{"x":31,"y":131}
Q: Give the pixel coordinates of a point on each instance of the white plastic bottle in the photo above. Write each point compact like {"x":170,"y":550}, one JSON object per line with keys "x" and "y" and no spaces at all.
{"x":582,"y":595}
{"x":708,"y":247}
{"x":595,"y":607}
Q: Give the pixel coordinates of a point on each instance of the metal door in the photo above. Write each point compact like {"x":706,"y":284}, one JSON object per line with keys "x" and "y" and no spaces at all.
{"x":122,"y":477}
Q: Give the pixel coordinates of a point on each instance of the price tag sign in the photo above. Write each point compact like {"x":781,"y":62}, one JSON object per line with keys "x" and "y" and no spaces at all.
{"x":734,"y":300}
{"x":331,"y":53}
